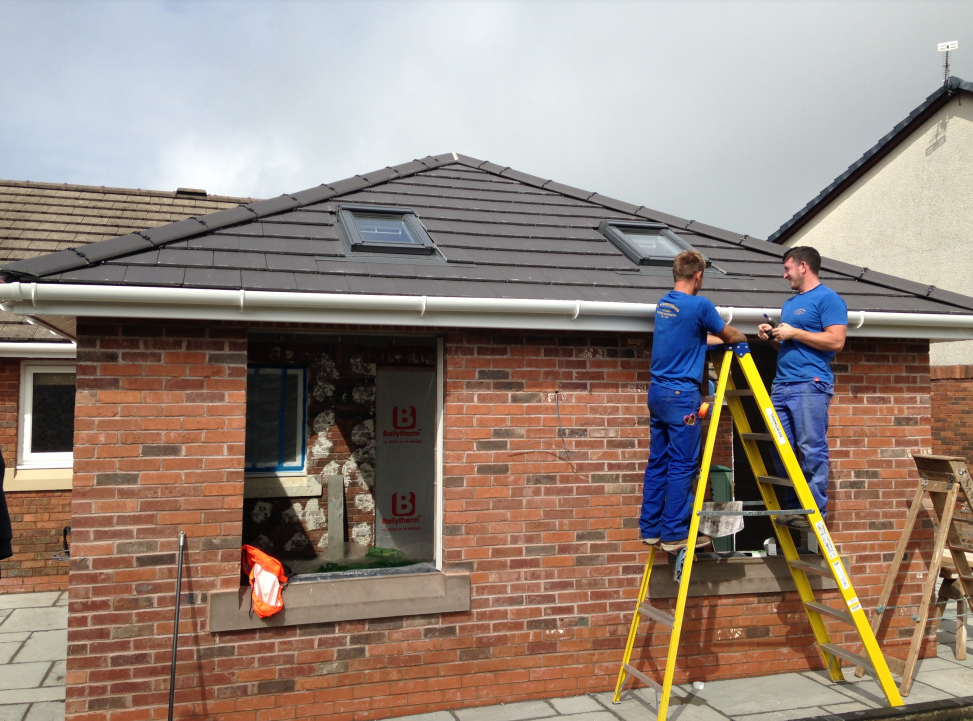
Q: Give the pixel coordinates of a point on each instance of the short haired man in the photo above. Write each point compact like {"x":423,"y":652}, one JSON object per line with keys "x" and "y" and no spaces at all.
{"x":684,"y":323}
{"x":813,"y":327}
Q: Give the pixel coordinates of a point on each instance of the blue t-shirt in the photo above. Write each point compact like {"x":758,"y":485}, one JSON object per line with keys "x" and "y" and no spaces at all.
{"x":812,"y":311}
{"x":679,"y":342}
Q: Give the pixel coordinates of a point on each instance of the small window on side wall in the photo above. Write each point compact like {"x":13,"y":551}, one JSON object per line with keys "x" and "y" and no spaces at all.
{"x":645,"y":243}
{"x":46,"y":416}
{"x":372,"y":229}
{"x":276,"y":419}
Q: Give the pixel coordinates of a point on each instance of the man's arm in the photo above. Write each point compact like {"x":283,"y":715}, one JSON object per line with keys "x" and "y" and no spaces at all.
{"x":832,"y":338}
{"x":764,"y":331}
{"x":728,"y":335}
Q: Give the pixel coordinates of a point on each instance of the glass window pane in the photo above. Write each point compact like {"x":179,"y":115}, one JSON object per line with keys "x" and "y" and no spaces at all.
{"x":263,"y":416}
{"x":652,"y":243}
{"x":385,"y":229}
{"x":293,"y":417}
{"x":52,"y":415}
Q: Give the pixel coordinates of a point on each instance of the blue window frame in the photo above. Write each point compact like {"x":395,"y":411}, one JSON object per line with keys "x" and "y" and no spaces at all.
{"x":276,"y":418}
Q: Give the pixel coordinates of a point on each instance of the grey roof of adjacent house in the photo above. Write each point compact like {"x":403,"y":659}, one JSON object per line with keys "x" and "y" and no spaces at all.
{"x":499,"y":233}
{"x":872,"y":156}
{"x":42,"y":218}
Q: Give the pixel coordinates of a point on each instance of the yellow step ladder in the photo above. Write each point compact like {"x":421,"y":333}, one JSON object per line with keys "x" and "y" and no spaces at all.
{"x":829,"y":564}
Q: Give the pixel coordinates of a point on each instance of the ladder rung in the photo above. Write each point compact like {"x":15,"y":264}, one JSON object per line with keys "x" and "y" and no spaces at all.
{"x":776,"y":481}
{"x":965,"y":577}
{"x":657,"y":614}
{"x":778,"y":512}
{"x":826,"y":610}
{"x":853,"y":658}
{"x":811,"y":568}
{"x":740,"y":393}
{"x":643,"y":678}
{"x":756,"y":437}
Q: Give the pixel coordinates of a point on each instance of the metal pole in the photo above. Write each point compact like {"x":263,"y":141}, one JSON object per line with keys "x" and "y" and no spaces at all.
{"x":175,"y":627}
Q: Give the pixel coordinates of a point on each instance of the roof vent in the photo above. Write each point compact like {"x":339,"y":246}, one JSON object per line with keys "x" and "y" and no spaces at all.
{"x":190,"y":193}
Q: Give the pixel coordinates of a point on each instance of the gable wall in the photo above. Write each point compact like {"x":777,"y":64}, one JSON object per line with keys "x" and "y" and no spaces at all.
{"x":551,"y":544}
{"x":911,"y":215}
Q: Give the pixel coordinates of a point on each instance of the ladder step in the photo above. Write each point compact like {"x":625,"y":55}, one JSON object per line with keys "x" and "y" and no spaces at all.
{"x":632,"y":671}
{"x":778,"y":512}
{"x":826,"y":610}
{"x":853,"y":658}
{"x":741,"y":393}
{"x":776,"y":481}
{"x":657,"y":614}
{"x":810,"y":568}
{"x":756,"y":437}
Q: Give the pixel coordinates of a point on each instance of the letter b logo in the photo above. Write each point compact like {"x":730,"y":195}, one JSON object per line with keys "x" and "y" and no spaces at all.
{"x":404,"y":417}
{"x":403,"y":504}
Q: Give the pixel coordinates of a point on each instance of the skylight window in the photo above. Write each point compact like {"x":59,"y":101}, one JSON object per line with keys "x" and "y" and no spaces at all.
{"x":645,"y":243}
{"x":384,"y":230}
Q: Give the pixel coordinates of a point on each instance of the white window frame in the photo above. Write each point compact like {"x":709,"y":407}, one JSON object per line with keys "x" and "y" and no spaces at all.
{"x":25,"y":413}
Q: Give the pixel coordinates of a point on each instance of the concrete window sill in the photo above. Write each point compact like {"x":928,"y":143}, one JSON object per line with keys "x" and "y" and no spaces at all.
{"x":350,"y":599}
{"x":281,"y":485}
{"x":735,"y":577}
{"x":37,"y":479}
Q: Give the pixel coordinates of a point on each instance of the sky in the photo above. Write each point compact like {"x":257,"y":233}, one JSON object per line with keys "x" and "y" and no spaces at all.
{"x":734,"y":114}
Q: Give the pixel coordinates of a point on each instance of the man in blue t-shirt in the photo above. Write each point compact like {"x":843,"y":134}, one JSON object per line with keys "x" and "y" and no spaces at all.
{"x":812,"y":329}
{"x":684,"y":323}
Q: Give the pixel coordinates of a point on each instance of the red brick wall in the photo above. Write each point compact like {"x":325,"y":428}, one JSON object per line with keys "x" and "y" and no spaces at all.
{"x":549,"y":535}
{"x":37,"y":517}
{"x":952,"y":411}
{"x":159,"y":438}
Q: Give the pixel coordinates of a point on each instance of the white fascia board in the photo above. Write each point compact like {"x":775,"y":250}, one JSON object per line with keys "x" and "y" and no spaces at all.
{"x":38,"y":350}
{"x":419,"y":311}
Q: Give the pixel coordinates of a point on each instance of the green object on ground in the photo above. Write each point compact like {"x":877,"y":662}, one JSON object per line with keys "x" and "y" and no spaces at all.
{"x":721,"y":481}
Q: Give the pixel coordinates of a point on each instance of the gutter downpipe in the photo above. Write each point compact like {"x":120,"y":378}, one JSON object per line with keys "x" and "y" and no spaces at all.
{"x":30,"y":299}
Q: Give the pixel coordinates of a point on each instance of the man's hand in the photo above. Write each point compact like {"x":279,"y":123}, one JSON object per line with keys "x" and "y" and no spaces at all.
{"x":764,"y":330}
{"x":784,"y":331}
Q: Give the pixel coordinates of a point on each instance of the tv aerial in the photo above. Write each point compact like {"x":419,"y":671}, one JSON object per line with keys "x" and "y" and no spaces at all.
{"x":945,"y":48}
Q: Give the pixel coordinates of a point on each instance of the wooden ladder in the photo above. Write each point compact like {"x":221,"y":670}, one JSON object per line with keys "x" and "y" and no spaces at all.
{"x":946,"y":480}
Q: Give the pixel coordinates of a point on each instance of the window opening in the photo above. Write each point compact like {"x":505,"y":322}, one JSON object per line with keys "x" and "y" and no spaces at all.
{"x":47,"y":416}
{"x":645,"y":243}
{"x":276,"y":403}
{"x":374,"y":229}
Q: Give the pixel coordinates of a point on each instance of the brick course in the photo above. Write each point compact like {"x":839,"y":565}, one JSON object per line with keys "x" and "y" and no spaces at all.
{"x":544,"y":519}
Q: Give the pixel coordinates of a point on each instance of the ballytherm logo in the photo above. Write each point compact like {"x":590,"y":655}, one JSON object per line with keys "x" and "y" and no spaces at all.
{"x":404,"y":417}
{"x":403,"y":504}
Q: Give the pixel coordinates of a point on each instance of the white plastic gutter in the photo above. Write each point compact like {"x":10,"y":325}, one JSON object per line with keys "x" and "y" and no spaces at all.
{"x":38,"y":350}
{"x":41,"y":299}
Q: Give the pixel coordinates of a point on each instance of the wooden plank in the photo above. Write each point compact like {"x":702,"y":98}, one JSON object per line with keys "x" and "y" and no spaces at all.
{"x":896,"y":665}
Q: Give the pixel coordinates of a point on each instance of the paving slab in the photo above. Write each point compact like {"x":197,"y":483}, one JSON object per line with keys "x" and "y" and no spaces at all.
{"x":33,"y":695}
{"x":744,"y":696}
{"x":847,"y":707}
{"x":57,"y":674}
{"x":44,"y":646}
{"x":8,"y":649}
{"x":434,"y":716}
{"x":639,"y":705}
{"x":13,"y":712}
{"x":507,"y":712}
{"x":28,"y":600}
{"x":576,"y":705}
{"x":35,"y":619}
{"x":788,"y":715}
{"x":952,"y":681}
{"x":46,"y":711}
{"x":23,"y":675}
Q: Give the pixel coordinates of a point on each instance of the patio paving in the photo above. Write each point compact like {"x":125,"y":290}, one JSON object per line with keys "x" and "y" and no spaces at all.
{"x":33,"y":649}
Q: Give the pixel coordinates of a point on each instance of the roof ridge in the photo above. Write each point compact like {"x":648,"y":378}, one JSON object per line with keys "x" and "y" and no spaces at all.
{"x":116,"y":191}
{"x":885,"y":145}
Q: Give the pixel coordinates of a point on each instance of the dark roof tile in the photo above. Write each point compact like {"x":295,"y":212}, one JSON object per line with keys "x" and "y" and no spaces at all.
{"x":212,"y":278}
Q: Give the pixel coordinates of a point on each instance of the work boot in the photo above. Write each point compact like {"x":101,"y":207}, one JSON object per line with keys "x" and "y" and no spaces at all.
{"x":799,"y":523}
{"x":701,"y":542}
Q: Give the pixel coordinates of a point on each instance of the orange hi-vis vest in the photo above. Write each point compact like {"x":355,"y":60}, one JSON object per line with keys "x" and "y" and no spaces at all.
{"x":266,"y":579}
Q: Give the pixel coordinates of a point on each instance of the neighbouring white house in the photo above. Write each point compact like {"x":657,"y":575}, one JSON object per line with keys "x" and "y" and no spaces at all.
{"x":906,"y":206}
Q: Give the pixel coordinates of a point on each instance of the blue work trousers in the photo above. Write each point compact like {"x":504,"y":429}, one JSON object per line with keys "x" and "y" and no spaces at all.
{"x":803,"y":411}
{"x":675,"y":435}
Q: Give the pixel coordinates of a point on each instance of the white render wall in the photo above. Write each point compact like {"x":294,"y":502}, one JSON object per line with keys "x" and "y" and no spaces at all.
{"x":912,"y":214}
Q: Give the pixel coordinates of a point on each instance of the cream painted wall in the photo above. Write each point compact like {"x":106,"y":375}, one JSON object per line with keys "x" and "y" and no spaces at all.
{"x":912,"y":214}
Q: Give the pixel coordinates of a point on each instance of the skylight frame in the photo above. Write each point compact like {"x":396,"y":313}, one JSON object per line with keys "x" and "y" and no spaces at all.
{"x":358,"y":244}
{"x":614,"y":231}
